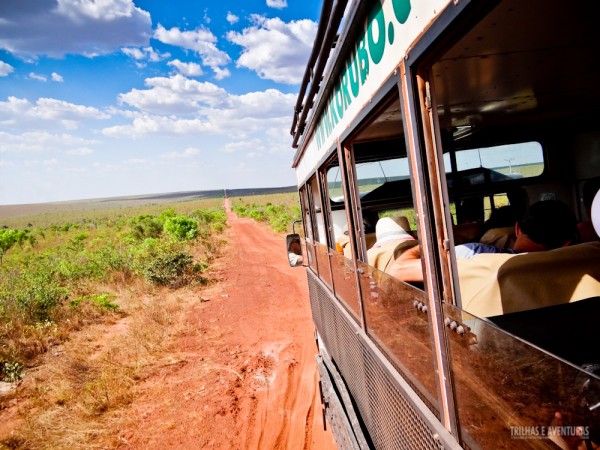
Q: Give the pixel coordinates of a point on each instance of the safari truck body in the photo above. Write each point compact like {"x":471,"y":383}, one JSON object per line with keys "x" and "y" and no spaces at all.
{"x":443,"y":112}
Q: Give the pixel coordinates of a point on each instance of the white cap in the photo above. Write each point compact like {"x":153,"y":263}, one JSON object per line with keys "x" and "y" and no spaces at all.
{"x":390,"y":228}
{"x":595,"y":212}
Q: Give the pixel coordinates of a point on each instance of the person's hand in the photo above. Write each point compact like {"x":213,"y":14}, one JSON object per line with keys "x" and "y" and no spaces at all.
{"x":575,"y":441}
{"x":554,"y":432}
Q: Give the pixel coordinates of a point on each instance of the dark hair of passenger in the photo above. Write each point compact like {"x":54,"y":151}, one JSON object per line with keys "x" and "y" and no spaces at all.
{"x":590,"y":188}
{"x":518,"y":200}
{"x":550,"y":223}
{"x":504,"y":216}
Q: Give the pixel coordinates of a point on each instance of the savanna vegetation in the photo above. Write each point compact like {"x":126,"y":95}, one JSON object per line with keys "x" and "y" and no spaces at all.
{"x":73,"y":273}
{"x":278,"y":210}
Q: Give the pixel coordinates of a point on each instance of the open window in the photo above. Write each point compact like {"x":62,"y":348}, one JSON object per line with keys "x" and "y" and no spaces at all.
{"x":513,"y":115}
{"x":378,"y":200}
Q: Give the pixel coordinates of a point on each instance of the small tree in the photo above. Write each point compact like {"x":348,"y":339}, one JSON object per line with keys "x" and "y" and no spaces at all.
{"x":181,"y":228}
{"x":8,"y":238}
{"x":145,"y":226}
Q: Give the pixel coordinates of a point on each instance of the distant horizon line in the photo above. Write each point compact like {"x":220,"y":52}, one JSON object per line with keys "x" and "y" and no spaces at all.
{"x":162,"y":195}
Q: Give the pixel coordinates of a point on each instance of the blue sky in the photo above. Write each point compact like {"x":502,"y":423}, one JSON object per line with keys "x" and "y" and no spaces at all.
{"x":102,"y":98}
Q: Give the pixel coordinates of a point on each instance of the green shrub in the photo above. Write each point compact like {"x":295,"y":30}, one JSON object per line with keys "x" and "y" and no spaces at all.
{"x":214,"y":218}
{"x":181,"y":228}
{"x":279,"y":216}
{"x":168,"y":269}
{"x":12,"y":372}
{"x":9,"y":238}
{"x":166,"y":214}
{"x":102,"y":301}
{"x":38,"y":293}
{"x":145,"y":226}
{"x":76,"y":243}
{"x":108,"y":257}
{"x":162,"y":263}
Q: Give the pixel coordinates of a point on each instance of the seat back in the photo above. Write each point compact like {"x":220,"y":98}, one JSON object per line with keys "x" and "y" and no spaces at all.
{"x":494,"y":284}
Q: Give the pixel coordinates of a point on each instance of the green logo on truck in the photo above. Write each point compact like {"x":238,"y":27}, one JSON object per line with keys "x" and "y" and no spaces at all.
{"x":370,"y":48}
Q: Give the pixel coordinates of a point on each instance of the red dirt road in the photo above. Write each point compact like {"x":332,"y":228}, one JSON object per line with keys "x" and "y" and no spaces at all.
{"x":245,"y":375}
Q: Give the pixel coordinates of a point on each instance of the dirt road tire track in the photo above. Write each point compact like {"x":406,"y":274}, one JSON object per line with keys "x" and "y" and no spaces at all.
{"x":246,"y":377}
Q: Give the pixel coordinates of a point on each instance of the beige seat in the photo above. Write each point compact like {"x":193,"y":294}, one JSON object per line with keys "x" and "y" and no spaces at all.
{"x":494,"y":284}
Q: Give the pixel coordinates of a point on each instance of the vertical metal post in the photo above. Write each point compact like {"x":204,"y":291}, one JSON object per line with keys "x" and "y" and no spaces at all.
{"x":326,"y":210}
{"x":424,"y":172}
{"x":349,"y":185}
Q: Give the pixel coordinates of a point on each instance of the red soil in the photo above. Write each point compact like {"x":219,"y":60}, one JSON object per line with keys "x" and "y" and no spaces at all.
{"x":249,"y":378}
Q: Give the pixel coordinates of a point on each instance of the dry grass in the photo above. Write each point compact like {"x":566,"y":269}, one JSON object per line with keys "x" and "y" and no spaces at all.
{"x":88,"y":372}
{"x":81,"y":375}
{"x":286,"y":198}
{"x":75,"y":397}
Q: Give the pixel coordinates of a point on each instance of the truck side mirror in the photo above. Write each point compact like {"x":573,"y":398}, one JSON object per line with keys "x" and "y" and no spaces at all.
{"x":294,"y":249}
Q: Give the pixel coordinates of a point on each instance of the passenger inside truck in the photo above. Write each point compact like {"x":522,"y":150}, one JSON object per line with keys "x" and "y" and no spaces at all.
{"x":549,"y":271}
{"x":393,"y":237}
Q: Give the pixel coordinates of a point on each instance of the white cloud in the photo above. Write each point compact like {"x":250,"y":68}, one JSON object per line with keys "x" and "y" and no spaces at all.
{"x":4,"y":163}
{"x":278,"y":4}
{"x":276,"y":50}
{"x":201,"y":41}
{"x":81,"y":10}
{"x":232,"y":18}
{"x":137,"y":162}
{"x":49,"y":108}
{"x":144,"y":54}
{"x":189,"y":69}
{"x":50,"y":162}
{"x":76,"y":170}
{"x":134,"y":52}
{"x":221,"y":74}
{"x":5,"y":69}
{"x":250,"y":144}
{"x":55,"y":28}
{"x":81,"y":151}
{"x":43,"y":142}
{"x":107,"y":168}
{"x":213,"y":110}
{"x":174,"y":95}
{"x":187,"y":153}
{"x":269,"y":104}
{"x":149,"y":125}
{"x":20,"y":113}
{"x":56,"y":77}
{"x":37,"y":77}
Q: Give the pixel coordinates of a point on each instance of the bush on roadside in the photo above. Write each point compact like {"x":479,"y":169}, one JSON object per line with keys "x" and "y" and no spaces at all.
{"x":49,"y":289}
{"x":278,"y":216}
{"x":163,"y":263}
{"x":209,"y":221}
{"x":145,"y":226}
{"x":37,"y":293}
{"x":9,"y":238}
{"x":101,"y":301}
{"x":181,"y":228}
